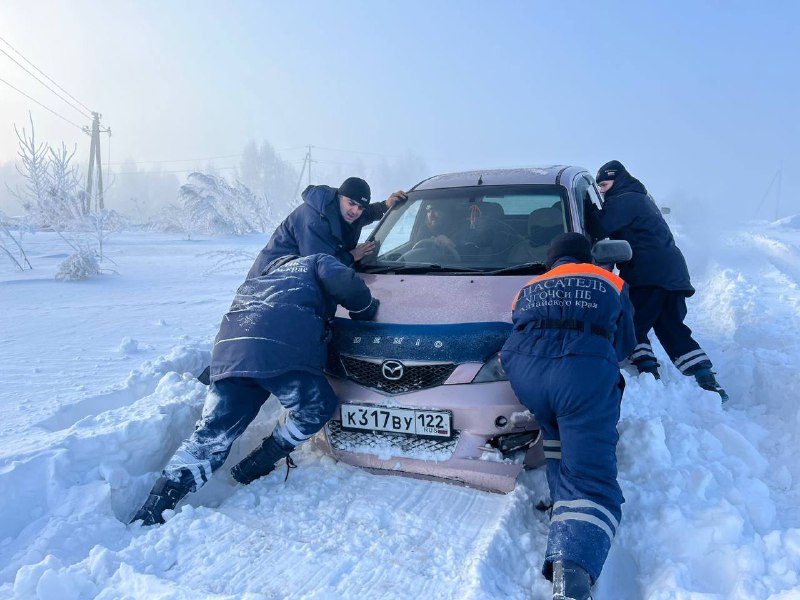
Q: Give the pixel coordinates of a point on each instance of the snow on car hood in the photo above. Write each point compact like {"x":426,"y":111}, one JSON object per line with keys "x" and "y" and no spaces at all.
{"x":432,"y":318}
{"x":441,"y":299}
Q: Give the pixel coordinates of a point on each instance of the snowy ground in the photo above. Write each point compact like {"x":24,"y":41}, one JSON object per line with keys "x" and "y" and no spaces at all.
{"x":96,"y":392}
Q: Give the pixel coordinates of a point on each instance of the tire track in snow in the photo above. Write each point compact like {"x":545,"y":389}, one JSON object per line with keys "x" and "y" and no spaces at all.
{"x":330,"y":531}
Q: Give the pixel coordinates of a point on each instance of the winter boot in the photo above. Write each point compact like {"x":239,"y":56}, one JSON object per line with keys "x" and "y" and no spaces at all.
{"x":706,"y":380}
{"x":165,"y":495}
{"x":649,"y":366}
{"x":570,"y":581}
{"x":259,"y":462}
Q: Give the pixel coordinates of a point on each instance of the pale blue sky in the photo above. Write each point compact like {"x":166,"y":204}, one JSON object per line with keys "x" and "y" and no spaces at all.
{"x":694,"y":97}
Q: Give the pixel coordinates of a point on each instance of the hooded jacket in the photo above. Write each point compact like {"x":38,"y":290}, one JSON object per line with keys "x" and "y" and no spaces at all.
{"x":316,"y":226}
{"x":629,"y":213}
{"x":281,"y":321}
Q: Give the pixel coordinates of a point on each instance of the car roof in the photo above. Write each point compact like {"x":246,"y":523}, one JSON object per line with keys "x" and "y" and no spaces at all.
{"x":546,"y":175}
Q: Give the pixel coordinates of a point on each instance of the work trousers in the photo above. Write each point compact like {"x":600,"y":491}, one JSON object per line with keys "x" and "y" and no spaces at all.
{"x":231,"y":406}
{"x":663,"y":311}
{"x":576,"y":401}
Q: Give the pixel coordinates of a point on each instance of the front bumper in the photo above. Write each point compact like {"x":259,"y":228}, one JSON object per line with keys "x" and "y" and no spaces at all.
{"x":466,"y":459}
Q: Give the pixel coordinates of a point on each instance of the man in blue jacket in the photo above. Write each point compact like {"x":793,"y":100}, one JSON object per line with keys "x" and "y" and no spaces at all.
{"x":272,"y":340}
{"x":572,"y":326}
{"x":657,"y":274}
{"x":329,"y":221}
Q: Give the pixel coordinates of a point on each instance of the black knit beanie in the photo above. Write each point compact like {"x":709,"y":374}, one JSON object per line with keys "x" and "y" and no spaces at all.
{"x":356,"y":189}
{"x":569,"y":244}
{"x":609,"y":171}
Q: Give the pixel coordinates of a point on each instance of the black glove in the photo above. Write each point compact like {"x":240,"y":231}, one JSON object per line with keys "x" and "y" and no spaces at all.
{"x":368,"y":314}
{"x":592,"y":221}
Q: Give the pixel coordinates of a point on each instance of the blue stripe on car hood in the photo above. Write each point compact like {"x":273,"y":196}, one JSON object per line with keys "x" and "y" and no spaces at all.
{"x":455,"y":342}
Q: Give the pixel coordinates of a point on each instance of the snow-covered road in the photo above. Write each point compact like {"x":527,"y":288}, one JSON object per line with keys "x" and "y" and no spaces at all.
{"x":96,"y":392}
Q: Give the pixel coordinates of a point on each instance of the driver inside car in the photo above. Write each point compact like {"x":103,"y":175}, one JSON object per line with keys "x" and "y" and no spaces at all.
{"x":439,"y":235}
{"x":441,"y":226}
{"x":451,"y":231}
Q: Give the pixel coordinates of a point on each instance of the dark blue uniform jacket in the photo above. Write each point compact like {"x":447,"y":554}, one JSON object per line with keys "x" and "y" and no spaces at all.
{"x":574,"y":292}
{"x":630,"y":214}
{"x":316,"y":226}
{"x":280,"y":321}
{"x":568,"y":376}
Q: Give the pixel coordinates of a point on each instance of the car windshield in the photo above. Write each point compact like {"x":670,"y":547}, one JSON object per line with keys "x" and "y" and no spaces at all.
{"x":487,"y":229}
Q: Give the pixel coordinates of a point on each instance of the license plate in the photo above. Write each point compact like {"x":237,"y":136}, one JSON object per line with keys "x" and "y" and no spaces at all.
{"x":429,"y":423}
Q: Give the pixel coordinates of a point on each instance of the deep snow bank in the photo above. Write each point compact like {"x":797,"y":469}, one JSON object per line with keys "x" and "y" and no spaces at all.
{"x":712,"y":493}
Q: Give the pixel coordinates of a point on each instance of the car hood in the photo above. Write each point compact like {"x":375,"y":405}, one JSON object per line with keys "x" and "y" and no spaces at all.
{"x":431,"y":318}
{"x":442,"y":299}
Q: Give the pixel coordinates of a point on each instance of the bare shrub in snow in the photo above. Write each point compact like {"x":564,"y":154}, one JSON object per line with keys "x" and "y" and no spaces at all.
{"x":230,"y":261}
{"x":11,"y":243}
{"x":102,"y":224}
{"x":81,"y":265}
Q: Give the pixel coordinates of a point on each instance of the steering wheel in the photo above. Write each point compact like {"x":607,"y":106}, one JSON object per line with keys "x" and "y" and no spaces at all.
{"x":470,"y":248}
{"x":446,"y":252}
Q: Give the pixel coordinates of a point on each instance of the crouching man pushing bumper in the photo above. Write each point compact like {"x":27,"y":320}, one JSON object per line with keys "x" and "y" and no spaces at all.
{"x":572,"y":326}
{"x":272,"y":340}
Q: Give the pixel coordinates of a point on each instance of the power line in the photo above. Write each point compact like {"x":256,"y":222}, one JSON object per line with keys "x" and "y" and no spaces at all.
{"x":42,"y":105}
{"x":180,"y":160}
{"x":324,"y":161}
{"x":165,"y":172}
{"x":177,"y":160}
{"x":336,"y":162}
{"x":290,"y":160}
{"x":353,"y":151}
{"x":45,"y":75}
{"x":21,"y":66}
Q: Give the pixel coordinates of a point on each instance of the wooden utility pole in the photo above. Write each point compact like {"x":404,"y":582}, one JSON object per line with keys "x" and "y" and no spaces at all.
{"x":94,"y":158}
{"x":306,"y":161}
{"x":308,"y":156}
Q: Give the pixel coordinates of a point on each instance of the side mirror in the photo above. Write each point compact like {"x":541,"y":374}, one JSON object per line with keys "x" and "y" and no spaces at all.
{"x":606,"y":252}
{"x":665,"y":210}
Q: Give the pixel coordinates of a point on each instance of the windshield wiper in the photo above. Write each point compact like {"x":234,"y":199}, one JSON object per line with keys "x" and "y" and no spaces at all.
{"x":529,"y":267}
{"x":418,"y":268}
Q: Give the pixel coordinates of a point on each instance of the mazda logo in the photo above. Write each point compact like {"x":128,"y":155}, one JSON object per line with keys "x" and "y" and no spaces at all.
{"x":392,"y":370}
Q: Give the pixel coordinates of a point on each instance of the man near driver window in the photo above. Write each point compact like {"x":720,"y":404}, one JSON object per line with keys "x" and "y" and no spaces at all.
{"x":273,"y":339}
{"x":329,"y":221}
{"x":657,"y":274}
{"x":572,"y":326}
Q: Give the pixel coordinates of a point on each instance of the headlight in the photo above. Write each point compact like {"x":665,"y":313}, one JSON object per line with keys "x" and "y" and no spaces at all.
{"x":491,"y":371}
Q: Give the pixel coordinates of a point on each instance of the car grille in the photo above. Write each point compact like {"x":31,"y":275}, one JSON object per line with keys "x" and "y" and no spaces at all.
{"x":416,"y":377}
{"x":385,"y":445}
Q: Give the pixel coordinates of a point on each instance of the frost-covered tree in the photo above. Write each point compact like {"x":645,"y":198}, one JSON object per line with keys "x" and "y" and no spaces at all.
{"x":399,"y":173}
{"x":52,"y":197}
{"x":219,"y":208}
{"x":51,"y":192}
{"x":142,"y":193}
{"x":33,"y":168}
{"x":174,"y":219}
{"x":66,"y":203}
{"x":269,"y":176}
